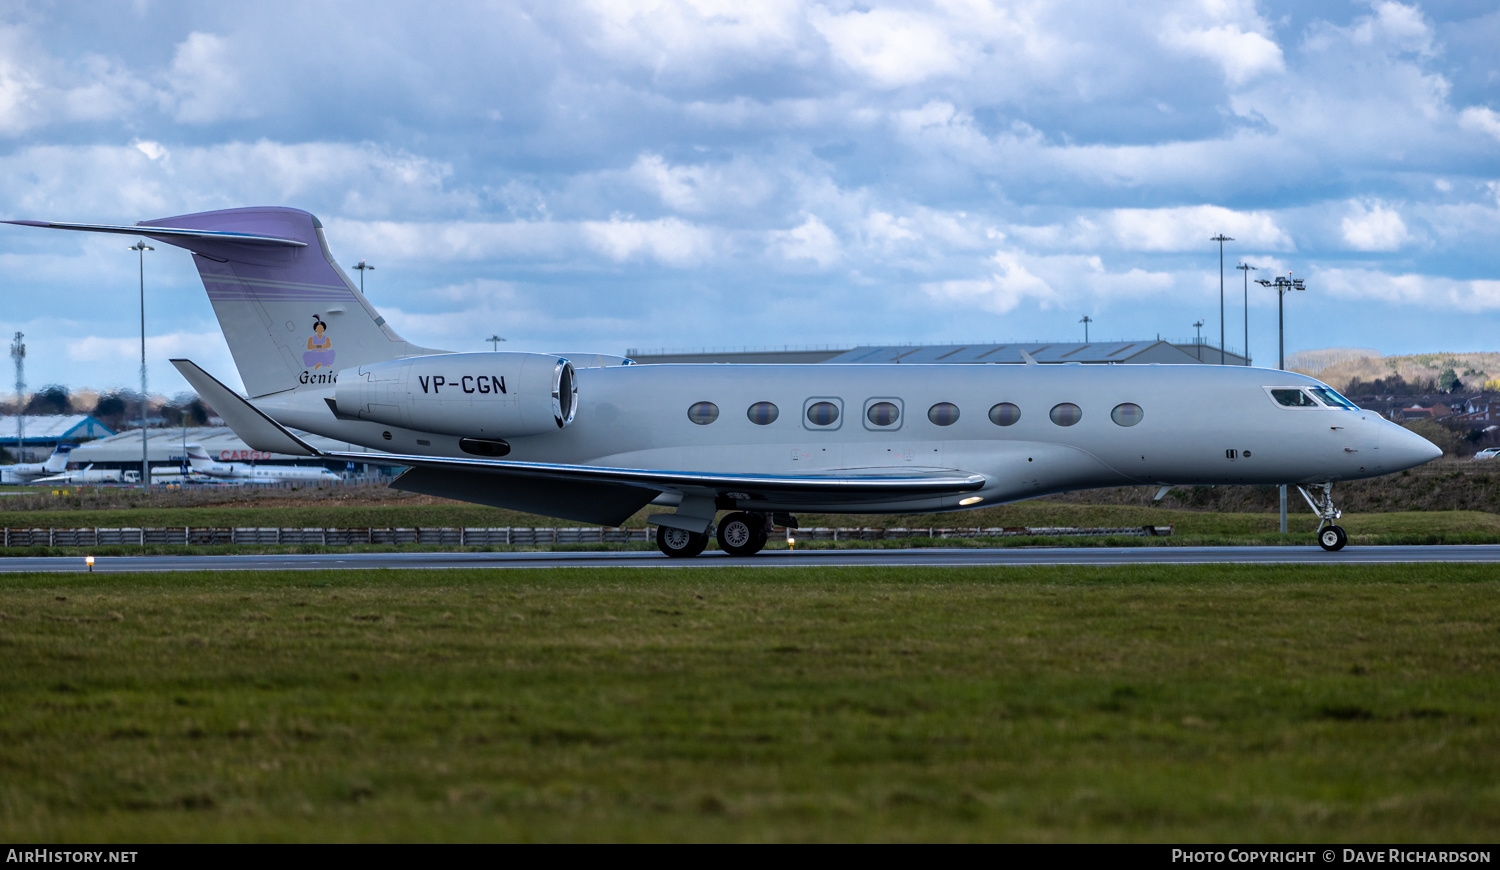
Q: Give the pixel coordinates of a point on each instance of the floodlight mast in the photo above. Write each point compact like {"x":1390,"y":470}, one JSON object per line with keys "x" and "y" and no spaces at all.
{"x":140,"y":247}
{"x":1282,"y":286}
{"x":1247,"y":269}
{"x":1221,"y":239}
{"x":1086,"y":321}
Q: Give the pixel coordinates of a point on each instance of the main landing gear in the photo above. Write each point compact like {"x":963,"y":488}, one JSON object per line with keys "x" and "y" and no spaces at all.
{"x":740,"y":534}
{"x":744,"y":534}
{"x":1330,"y":536}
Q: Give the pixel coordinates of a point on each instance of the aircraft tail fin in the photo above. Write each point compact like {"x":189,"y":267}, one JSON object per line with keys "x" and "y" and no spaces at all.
{"x":58,"y":461}
{"x":197,"y":457}
{"x":291,"y":316}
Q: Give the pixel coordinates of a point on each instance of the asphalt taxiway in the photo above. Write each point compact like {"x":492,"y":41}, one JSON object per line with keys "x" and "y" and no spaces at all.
{"x":1081,"y":556}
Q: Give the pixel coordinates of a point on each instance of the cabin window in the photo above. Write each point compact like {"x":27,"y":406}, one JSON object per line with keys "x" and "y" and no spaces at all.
{"x":1066,"y":414}
{"x":703,"y":413}
{"x":1333,"y":399}
{"x":763,"y":413}
{"x":1005,"y":414}
{"x":1293,"y":399}
{"x":1127,"y":414}
{"x":883,"y":414}
{"x":822,"y":413}
{"x":943,"y":414}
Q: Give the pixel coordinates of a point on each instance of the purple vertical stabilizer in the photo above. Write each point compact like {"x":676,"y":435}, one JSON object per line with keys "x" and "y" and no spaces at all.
{"x":291,"y":316}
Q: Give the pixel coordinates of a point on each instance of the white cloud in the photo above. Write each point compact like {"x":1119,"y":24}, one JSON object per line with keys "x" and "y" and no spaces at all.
{"x":1480,"y":119}
{"x":812,"y":240}
{"x":1242,"y":54}
{"x":669,"y":241}
{"x":206,"y":84}
{"x":1010,"y":285}
{"x":1412,"y":290}
{"x":891,"y":47}
{"x":1184,"y":228}
{"x":1374,"y":226}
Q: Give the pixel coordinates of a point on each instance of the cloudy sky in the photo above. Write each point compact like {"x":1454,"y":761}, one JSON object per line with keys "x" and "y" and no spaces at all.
{"x":640,"y":174}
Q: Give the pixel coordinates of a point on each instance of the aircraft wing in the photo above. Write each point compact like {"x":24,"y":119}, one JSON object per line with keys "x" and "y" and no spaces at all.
{"x":586,"y":493}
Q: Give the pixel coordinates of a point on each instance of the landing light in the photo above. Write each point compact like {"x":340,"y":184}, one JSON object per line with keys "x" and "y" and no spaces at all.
{"x":973,"y":499}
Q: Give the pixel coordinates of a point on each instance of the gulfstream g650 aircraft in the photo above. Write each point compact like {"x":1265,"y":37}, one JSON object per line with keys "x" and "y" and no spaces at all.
{"x":594,"y":438}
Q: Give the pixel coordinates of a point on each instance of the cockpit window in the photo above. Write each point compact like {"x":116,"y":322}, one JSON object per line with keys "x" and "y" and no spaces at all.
{"x":1333,"y":399}
{"x":1293,"y":399}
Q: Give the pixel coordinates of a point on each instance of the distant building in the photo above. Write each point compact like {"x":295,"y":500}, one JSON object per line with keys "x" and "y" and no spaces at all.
{"x":43,"y":432}
{"x":1090,"y":353}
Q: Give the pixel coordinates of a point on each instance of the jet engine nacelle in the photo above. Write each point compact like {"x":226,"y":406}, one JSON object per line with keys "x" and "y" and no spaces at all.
{"x":477,"y":395}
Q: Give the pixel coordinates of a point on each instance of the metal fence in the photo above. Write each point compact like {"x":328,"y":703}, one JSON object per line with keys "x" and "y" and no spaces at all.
{"x":486,"y":537}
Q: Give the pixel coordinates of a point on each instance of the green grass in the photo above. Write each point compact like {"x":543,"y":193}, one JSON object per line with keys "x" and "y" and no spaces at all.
{"x":1144,"y":703}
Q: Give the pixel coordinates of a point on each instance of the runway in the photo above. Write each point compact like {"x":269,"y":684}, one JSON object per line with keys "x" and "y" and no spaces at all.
{"x":1081,"y":556}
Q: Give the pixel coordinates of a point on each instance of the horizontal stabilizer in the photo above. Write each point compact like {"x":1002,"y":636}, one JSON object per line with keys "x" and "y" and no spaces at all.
{"x":166,"y":233}
{"x":256,"y":429}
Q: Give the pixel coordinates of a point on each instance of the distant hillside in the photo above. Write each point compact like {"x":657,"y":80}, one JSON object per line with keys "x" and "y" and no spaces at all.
{"x":1338,"y":367}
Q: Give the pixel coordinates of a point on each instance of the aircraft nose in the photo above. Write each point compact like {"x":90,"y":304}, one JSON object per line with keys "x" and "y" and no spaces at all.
{"x":1402,"y":448}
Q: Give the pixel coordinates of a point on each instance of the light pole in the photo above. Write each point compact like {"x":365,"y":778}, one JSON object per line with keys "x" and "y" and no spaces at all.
{"x":1282,"y":286}
{"x":140,"y":247}
{"x":494,"y":341}
{"x":1221,"y":239}
{"x":1247,"y":269}
{"x":18,"y":353}
{"x":1086,"y":321}
{"x":1198,"y":342}
{"x":363,"y":267}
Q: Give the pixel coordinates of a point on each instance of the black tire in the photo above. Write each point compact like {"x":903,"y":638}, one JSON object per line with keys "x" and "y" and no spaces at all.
{"x":1332,"y":538}
{"x":741,"y":534}
{"x":679,"y":543}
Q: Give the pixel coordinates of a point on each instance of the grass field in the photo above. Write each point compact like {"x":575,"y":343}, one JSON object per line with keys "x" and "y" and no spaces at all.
{"x":1144,"y":703}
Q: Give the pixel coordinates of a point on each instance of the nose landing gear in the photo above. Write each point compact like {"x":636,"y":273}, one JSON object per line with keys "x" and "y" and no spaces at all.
{"x":1330,"y":537}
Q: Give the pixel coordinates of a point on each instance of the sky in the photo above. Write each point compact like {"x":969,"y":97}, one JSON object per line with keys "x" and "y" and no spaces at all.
{"x":600,"y":176}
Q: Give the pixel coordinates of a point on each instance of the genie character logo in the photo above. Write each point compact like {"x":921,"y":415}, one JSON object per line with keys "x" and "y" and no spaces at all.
{"x":319,"y":354}
{"x":319,"y":346}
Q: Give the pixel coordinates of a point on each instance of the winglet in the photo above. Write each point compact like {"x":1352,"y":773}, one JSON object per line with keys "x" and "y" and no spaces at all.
{"x":1030,"y":360}
{"x":256,"y":429}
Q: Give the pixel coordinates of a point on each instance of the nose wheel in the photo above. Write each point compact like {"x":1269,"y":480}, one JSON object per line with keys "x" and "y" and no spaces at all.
{"x":743,"y":534}
{"x":1330,"y":537}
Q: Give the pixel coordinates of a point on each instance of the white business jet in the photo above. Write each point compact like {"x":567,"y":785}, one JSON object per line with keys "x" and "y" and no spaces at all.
{"x":203,"y":465}
{"x":31,"y":472}
{"x":597,"y":442}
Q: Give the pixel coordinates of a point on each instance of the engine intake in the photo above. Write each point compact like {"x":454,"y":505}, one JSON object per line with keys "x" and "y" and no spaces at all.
{"x":472,"y":395}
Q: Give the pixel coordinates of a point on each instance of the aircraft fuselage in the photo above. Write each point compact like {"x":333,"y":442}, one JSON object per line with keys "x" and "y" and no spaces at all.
{"x":1196,"y":425}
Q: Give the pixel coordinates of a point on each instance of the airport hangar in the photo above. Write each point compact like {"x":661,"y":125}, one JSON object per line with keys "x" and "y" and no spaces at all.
{"x":1148,"y":352}
{"x":166,"y":446}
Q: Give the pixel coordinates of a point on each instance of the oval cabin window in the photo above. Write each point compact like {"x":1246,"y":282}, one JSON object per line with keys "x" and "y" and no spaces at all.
{"x":883,"y":414}
{"x":1127,"y":414}
{"x":943,"y":414}
{"x":1005,"y":414}
{"x":763,"y":413}
{"x":703,"y":413}
{"x":1066,"y":414}
{"x":822,"y":413}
